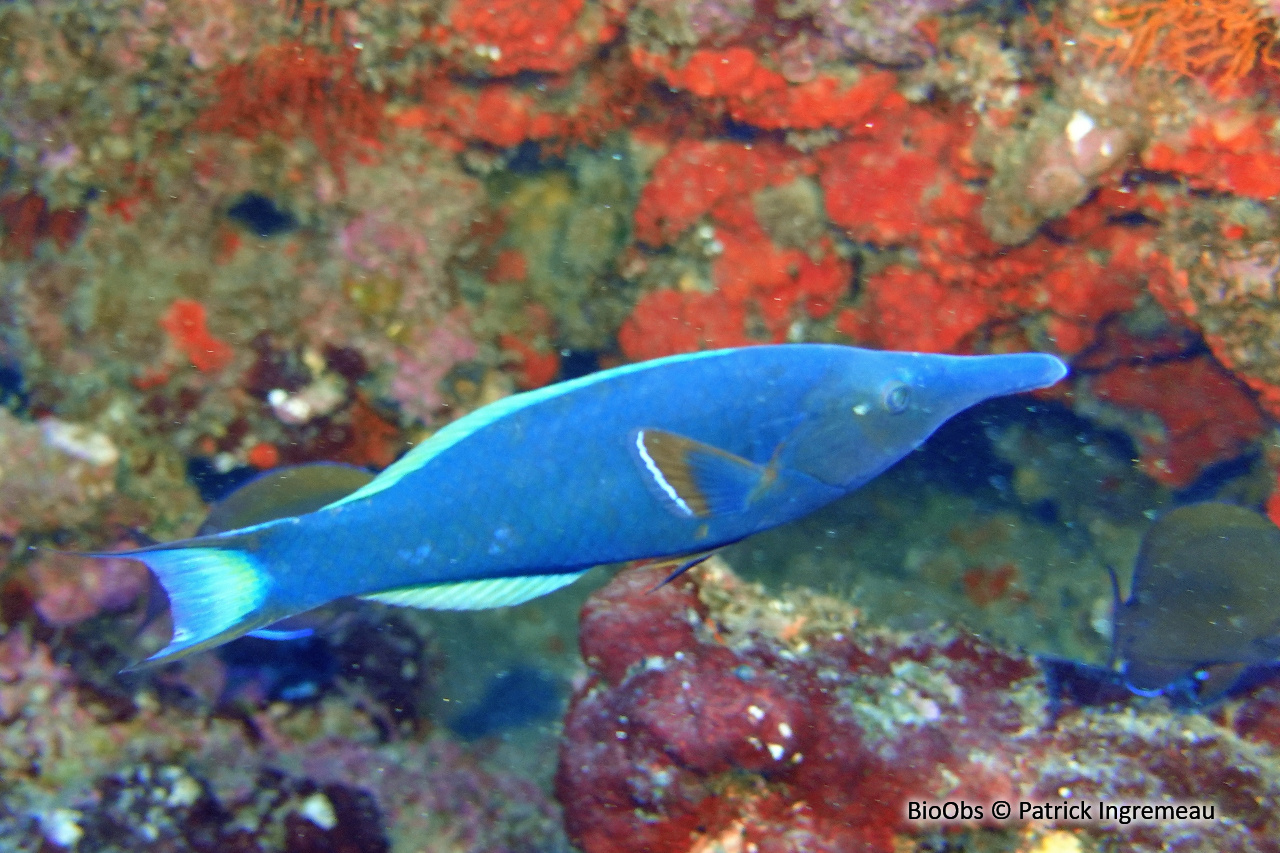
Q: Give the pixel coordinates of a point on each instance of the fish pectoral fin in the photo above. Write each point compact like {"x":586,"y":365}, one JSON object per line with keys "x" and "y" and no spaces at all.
{"x":1215,"y":680}
{"x":697,"y":480}
{"x":475,"y":595}
{"x":685,"y":564}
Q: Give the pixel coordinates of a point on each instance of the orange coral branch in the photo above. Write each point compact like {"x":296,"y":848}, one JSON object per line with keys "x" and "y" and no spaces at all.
{"x":1222,"y":40}
{"x":290,"y":89}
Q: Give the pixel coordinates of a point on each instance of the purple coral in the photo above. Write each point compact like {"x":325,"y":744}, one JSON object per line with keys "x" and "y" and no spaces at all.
{"x":438,"y":789}
{"x":882,"y":31}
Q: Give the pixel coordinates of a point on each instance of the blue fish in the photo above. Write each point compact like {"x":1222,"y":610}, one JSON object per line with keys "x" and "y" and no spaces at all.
{"x":667,"y":458}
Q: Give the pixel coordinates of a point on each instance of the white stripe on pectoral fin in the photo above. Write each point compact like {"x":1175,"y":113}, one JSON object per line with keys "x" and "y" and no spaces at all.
{"x":475,"y":595}
{"x":696,"y":480}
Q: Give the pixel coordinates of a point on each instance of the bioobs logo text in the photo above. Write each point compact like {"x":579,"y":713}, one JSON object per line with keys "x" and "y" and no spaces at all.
{"x":923,"y":810}
{"x":1064,"y":811}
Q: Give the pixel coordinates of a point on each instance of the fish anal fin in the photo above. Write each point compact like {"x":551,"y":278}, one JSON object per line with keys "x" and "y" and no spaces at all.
{"x":694,"y":479}
{"x":475,"y":595}
{"x":1153,"y":678}
{"x":281,"y":635}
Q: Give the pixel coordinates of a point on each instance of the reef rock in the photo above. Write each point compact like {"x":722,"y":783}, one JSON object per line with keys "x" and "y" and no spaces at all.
{"x":718,"y":717}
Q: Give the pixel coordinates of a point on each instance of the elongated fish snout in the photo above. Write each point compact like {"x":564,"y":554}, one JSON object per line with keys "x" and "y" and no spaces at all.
{"x":1032,"y":370}
{"x":985,"y":376}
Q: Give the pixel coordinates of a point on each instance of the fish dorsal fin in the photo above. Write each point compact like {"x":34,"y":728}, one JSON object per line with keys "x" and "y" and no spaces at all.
{"x":468,"y":425}
{"x":475,"y":595}
{"x":693,"y":479}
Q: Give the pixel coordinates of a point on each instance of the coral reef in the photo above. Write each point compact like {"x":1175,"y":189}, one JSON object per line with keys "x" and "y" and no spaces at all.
{"x":717,"y":715}
{"x":106,"y":771}
{"x":981,"y":165}
{"x":1221,"y":40}
{"x":238,"y":235}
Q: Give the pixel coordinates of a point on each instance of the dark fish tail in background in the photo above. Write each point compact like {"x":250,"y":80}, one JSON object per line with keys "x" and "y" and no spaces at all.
{"x":1204,"y":603}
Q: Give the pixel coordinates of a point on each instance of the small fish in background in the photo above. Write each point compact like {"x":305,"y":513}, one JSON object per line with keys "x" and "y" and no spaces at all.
{"x":282,"y":493}
{"x":667,"y":458}
{"x":262,"y":670}
{"x":1204,"y":608}
{"x":515,"y":697}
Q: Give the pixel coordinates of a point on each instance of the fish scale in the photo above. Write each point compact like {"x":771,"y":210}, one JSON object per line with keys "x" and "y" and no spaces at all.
{"x":669,"y":458}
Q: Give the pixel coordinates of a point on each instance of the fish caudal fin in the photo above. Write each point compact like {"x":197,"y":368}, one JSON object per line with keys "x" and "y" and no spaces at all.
{"x":217,"y":592}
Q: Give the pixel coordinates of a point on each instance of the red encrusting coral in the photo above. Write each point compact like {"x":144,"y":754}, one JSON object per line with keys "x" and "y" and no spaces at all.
{"x":711,"y":719}
{"x":186,"y":323}
{"x":372,"y":441}
{"x":1234,"y":152}
{"x":538,"y":366}
{"x":28,"y":221}
{"x":295,"y":89}
{"x":666,"y":322}
{"x":1206,"y":415}
{"x":506,"y":113}
{"x":760,"y":96}
{"x":506,"y":37}
{"x":700,"y":178}
{"x":756,"y":281}
{"x":964,"y":287}
{"x":905,"y":168}
{"x":910,"y":309}
{"x":775,"y":283}
{"x":263,"y":455}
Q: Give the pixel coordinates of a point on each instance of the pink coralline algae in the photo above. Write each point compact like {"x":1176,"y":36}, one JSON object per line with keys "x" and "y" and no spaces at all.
{"x":423,"y":363}
{"x":884,"y":32}
{"x":69,"y":589}
{"x":46,"y":487}
{"x":717,"y":715}
{"x":90,"y":767}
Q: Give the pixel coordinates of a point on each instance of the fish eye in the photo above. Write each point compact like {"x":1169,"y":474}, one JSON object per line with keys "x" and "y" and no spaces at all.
{"x":896,"y":397}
